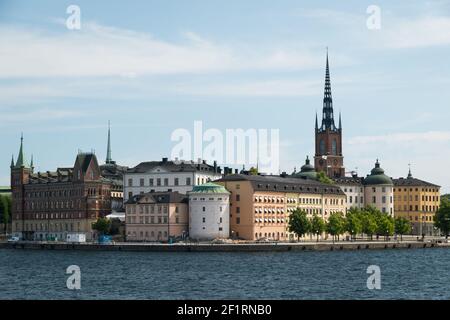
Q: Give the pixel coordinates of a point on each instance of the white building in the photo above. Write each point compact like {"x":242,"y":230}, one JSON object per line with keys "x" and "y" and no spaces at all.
{"x":166,"y":176}
{"x":209,"y":212}
{"x":354,"y":191}
{"x":379,"y":190}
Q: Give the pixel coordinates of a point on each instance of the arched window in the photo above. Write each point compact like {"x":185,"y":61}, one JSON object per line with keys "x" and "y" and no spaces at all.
{"x":334,"y":147}
{"x":322,"y":147}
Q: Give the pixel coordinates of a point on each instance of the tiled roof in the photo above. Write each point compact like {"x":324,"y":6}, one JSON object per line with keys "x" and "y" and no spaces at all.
{"x":280,"y":184}
{"x":174,"y":166}
{"x":413,"y":182}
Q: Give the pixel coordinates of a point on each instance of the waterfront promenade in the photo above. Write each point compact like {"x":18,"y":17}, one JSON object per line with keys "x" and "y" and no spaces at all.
{"x":227,"y":247}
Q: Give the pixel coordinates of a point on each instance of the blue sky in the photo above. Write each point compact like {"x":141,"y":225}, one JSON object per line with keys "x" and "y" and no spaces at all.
{"x":154,"y":66}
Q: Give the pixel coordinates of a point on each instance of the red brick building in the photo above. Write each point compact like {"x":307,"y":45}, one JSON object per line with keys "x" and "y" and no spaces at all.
{"x":49,"y":205}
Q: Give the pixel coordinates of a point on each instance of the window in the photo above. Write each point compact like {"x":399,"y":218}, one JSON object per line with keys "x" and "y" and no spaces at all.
{"x":334,"y":147}
{"x":158,"y":181}
{"x":166,"y":181}
{"x":383,"y":199}
{"x":188,"y":181}
{"x":203,"y":219}
{"x":130,"y":182}
{"x":130,"y":195}
{"x":374,"y":199}
{"x":238,"y":210}
{"x":322,"y":147}
{"x":238,"y":220}
{"x":204,"y":209}
{"x":176,"y":182}
{"x":238,"y":197}
{"x":141,"y":182}
{"x":150,"y":182}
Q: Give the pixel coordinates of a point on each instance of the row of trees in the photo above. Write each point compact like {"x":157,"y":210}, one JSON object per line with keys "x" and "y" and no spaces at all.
{"x":368,"y":221}
{"x":5,"y":211}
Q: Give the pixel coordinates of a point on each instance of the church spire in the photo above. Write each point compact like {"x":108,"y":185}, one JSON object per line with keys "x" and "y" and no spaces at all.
{"x":340,"y":121}
{"x":317,"y":122}
{"x":12,"y":161}
{"x":409,"y":172}
{"x":328,"y":117}
{"x":21,"y":162}
{"x":108,"y":151}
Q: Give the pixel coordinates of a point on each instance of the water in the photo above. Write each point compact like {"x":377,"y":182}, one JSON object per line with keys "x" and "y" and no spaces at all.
{"x":405,"y":274}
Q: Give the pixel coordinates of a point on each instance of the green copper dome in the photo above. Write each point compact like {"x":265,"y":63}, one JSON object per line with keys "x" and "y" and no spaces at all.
{"x":306,"y":171}
{"x":209,"y":188}
{"x":377,"y":176}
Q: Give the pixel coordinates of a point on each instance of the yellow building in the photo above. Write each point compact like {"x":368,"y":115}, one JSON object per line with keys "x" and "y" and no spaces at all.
{"x":418,"y":201}
{"x":260,"y":205}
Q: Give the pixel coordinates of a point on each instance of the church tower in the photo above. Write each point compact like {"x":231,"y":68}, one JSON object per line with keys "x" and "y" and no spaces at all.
{"x":328,"y":157}
{"x":20,"y":174}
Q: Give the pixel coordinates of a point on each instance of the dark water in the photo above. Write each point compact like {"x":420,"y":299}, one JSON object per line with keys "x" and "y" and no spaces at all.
{"x":405,"y":274}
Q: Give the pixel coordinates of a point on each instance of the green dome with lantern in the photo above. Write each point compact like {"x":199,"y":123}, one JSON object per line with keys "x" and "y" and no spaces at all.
{"x":377,"y":176}
{"x":307,"y":171}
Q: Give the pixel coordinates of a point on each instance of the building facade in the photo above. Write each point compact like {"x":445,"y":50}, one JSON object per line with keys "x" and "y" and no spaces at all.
{"x":166,"y":176}
{"x":209,"y":212}
{"x":328,"y":137}
{"x":379,"y":190}
{"x":260,"y":206}
{"x":354,"y":191}
{"x":156,"y":216}
{"x":50,"y":205}
{"x":417,"y":201}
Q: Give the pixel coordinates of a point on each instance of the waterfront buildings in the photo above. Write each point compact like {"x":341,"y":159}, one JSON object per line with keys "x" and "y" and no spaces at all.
{"x":167,"y":175}
{"x":156,"y":216}
{"x":209,"y":212}
{"x":260,"y":205}
{"x":417,"y":201}
{"x":53,"y":204}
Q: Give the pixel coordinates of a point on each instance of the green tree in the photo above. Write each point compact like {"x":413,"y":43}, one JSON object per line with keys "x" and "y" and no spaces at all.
{"x":299,"y":223}
{"x":336,"y":225}
{"x":442,"y":217}
{"x":369,"y":224}
{"x":353,"y":222}
{"x":386,"y":225}
{"x":253,"y":171}
{"x":318,"y":226}
{"x":102,"y":225}
{"x":322,"y":177}
{"x":402,"y":226}
{"x":5,"y":211}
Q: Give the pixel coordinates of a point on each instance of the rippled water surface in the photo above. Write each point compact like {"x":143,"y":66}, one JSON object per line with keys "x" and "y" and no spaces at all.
{"x":405,"y":274}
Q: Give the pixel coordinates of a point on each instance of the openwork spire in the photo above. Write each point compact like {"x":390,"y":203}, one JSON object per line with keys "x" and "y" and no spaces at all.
{"x":328,"y":116}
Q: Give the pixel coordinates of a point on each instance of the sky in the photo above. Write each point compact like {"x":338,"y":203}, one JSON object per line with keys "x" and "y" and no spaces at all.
{"x":151,"y":67}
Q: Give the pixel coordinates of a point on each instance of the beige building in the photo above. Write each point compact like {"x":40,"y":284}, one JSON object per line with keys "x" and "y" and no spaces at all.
{"x":156,"y":216}
{"x":260,"y":205}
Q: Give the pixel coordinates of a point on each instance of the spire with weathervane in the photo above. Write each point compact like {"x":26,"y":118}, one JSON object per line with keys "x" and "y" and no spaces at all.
{"x":21,"y":162}
{"x":108,"y":150}
{"x":327,"y":115}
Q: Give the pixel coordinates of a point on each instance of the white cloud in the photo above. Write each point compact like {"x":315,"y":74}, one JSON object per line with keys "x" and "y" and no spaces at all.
{"x":420,"y":32}
{"x":255,"y":88}
{"x":97,"y":50}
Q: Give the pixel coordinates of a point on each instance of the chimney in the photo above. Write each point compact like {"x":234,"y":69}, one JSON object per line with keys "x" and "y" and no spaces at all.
{"x":215,"y":166}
